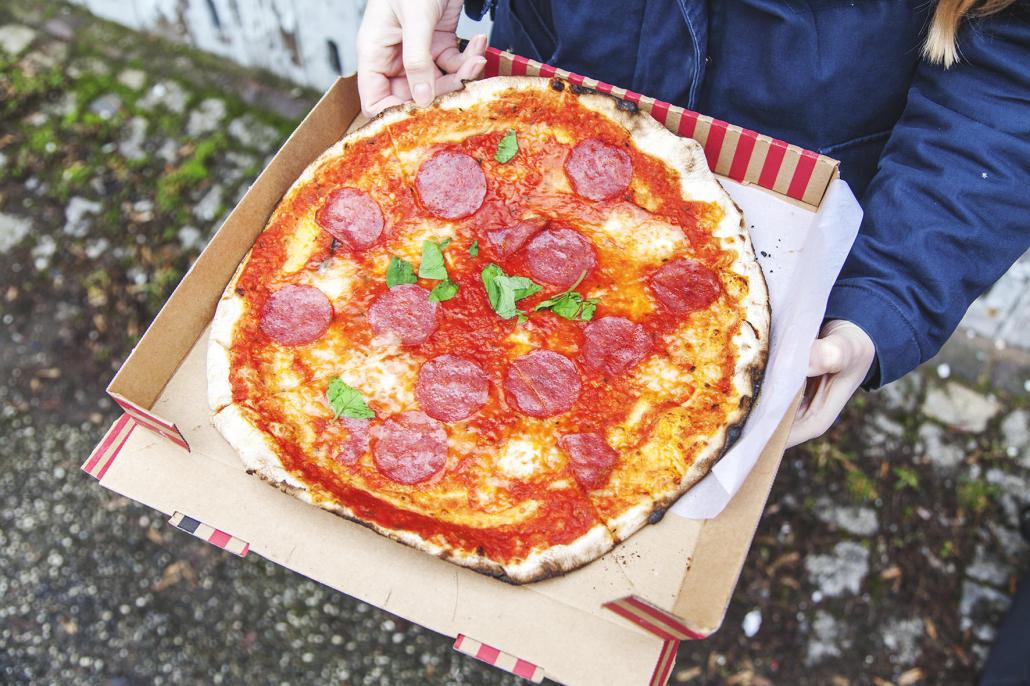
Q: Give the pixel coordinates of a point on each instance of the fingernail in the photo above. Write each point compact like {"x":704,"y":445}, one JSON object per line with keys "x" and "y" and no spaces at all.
{"x":422,"y":94}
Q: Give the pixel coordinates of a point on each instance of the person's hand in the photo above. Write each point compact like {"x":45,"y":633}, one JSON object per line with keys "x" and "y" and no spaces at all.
{"x":837,"y":366}
{"x":407,"y":50}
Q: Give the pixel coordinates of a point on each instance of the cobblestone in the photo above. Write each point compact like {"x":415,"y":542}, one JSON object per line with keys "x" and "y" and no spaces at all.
{"x":827,"y":639}
{"x":960,"y":407}
{"x":901,"y":636}
{"x":13,"y":230}
{"x":860,"y":521}
{"x":252,"y":133}
{"x":133,"y":79}
{"x":77,"y":215}
{"x":167,"y":94}
{"x":131,"y":145}
{"x":14,"y":38}
{"x":840,"y":573}
{"x":944,"y":455}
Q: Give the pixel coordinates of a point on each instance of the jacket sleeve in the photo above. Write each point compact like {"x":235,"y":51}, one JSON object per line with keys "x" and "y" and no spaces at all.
{"x":948,"y":210}
{"x":477,"y":9}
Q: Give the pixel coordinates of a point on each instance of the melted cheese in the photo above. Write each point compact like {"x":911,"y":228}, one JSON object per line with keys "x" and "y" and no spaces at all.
{"x":301,"y":244}
{"x":521,"y":458}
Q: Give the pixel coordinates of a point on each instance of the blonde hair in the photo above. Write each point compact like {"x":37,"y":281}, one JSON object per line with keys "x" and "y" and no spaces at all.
{"x":941,"y":46}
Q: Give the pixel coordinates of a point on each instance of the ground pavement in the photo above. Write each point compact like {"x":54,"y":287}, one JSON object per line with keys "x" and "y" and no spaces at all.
{"x":887,"y":553}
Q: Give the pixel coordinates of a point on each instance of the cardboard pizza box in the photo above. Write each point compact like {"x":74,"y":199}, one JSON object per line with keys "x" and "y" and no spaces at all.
{"x":618,"y":620}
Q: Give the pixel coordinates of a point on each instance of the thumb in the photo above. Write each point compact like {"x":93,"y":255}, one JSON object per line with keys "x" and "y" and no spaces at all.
{"x":418,"y":22}
{"x":826,"y":357}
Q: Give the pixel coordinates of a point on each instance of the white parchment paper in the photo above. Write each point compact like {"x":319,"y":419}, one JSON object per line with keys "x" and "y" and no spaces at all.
{"x":801,"y":253}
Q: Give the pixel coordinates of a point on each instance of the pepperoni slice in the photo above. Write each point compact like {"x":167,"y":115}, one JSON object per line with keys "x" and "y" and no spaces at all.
{"x":508,"y":241}
{"x":559,"y":256}
{"x":543,"y":383}
{"x":451,"y":184}
{"x":406,"y":311}
{"x":450,"y":388}
{"x":351,"y":217}
{"x":410,"y":447}
{"x":614,"y":344}
{"x":356,"y":443}
{"x":591,"y":457}
{"x":685,"y":286}
{"x":296,"y":315}
{"x":597,"y":170}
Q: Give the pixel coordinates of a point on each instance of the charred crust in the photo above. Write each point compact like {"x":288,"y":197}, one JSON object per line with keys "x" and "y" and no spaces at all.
{"x":580,"y":90}
{"x":557,"y":85}
{"x":657,"y":514}
{"x":627,"y":105}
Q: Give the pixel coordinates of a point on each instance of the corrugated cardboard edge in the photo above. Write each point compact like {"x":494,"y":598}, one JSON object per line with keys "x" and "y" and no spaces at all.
{"x":104,"y":454}
{"x":732,"y":151}
{"x":498,"y":658}
{"x":206,"y":532}
{"x":152,"y":421}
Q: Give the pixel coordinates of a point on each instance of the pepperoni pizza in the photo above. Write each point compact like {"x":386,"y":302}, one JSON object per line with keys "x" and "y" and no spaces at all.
{"x":509,"y":329}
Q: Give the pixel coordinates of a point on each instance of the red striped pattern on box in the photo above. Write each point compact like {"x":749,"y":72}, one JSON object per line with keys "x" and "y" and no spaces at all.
{"x":103,"y":456}
{"x":741,"y":154}
{"x":666,"y":659}
{"x":498,"y":658}
{"x":210,"y":534}
{"x":151,"y":421}
{"x":652,"y":619}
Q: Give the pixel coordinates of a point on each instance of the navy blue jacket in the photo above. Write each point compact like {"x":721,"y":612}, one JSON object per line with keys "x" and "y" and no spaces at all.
{"x":939,"y":159}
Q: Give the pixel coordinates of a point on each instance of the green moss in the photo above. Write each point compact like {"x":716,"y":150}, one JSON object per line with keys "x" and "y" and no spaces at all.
{"x":43,"y":140}
{"x":859,"y":486}
{"x":976,"y":496}
{"x":171,"y":186}
{"x":160,"y":286}
{"x":906,"y":478}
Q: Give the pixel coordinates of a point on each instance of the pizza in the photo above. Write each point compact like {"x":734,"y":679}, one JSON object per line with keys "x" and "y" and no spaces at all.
{"x":509,"y":329}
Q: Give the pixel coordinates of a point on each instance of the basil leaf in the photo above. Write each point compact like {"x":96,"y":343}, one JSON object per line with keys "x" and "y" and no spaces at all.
{"x":570,"y":304}
{"x":347,"y":401}
{"x":432,"y":265}
{"x":522,"y":286}
{"x":504,"y":291}
{"x":474,"y":249}
{"x":489,"y":275}
{"x":589,"y":306}
{"x":445,"y":290}
{"x":400,"y":271}
{"x":507,"y":147}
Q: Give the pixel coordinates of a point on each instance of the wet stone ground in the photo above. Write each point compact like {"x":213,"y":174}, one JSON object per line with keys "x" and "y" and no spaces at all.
{"x":887,"y":553}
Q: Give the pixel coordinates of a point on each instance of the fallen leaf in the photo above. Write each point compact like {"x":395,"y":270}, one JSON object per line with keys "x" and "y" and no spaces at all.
{"x":910,"y":677}
{"x":891,"y":573}
{"x":931,"y":628}
{"x":173,"y":574}
{"x":687,"y":675}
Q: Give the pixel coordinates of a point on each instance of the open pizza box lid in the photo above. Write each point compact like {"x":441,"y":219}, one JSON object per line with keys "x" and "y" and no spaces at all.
{"x":618,"y":620}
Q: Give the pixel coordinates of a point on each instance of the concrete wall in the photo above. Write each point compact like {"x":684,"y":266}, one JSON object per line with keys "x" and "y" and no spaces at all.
{"x":306,"y":41}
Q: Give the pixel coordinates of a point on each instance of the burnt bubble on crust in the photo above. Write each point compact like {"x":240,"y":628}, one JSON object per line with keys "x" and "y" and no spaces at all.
{"x":626,"y":105}
{"x":557,"y":84}
{"x":657,"y":514}
{"x":580,"y":90}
